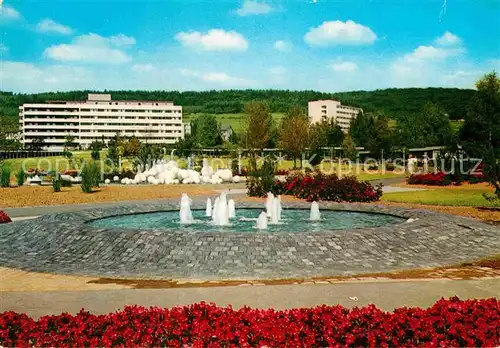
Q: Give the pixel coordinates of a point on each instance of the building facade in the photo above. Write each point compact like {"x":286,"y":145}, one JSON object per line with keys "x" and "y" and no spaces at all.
{"x":326,"y":110}
{"x":98,"y":118}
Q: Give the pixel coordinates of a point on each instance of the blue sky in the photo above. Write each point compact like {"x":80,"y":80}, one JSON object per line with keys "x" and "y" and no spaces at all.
{"x":327,"y":45}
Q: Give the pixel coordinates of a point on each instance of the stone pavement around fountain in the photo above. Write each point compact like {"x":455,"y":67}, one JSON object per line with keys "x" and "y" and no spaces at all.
{"x":63,"y":243}
{"x":385,"y":295}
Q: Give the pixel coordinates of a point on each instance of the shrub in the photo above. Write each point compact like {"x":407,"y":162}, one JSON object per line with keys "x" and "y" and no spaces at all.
{"x":328,"y":188}
{"x":56,"y":183}
{"x":5,"y":176}
{"x":4,"y":218}
{"x":390,"y":167}
{"x":261,"y":181}
{"x":90,"y":176}
{"x":20,"y":176}
{"x":448,"y":323}
{"x":442,"y":179}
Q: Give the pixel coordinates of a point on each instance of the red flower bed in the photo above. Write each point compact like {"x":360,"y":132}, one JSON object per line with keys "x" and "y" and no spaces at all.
{"x":442,"y":179}
{"x":448,"y":323}
{"x":328,"y":188}
{"x":4,"y":218}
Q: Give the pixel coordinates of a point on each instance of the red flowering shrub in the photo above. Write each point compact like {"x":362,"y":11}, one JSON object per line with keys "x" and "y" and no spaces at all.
{"x":448,"y":323}
{"x":328,"y":188}
{"x":442,"y":179}
{"x":4,"y":218}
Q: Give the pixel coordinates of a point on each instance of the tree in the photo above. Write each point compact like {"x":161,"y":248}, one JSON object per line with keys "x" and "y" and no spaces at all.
{"x":335,"y":135}
{"x":349,"y":148}
{"x":69,"y":144}
{"x":294,"y":135}
{"x":481,"y":132}
{"x":95,"y":148}
{"x":206,"y":131}
{"x":362,"y":128}
{"x":115,"y":149}
{"x":431,"y":128}
{"x":132,"y":147}
{"x":37,"y":144}
{"x":258,"y":123}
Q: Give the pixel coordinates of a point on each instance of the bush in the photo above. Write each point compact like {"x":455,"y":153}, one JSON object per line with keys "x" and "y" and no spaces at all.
{"x":448,"y":323}
{"x":328,"y":188}
{"x":5,"y":176}
{"x":57,"y":183}
{"x":20,"y":176}
{"x":442,"y":179}
{"x":261,"y":181}
{"x":90,"y":177}
{"x":4,"y":218}
{"x":390,"y":167}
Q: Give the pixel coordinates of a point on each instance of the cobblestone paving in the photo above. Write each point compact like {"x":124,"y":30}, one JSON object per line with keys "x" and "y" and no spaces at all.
{"x":64,"y":243}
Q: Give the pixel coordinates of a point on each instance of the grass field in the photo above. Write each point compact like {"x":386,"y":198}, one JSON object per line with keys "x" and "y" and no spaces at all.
{"x":233,"y":120}
{"x":465,"y":195}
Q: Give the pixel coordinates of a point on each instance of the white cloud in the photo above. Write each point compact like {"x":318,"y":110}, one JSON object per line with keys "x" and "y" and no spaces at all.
{"x":143,"y":67}
{"x":344,"y":67}
{"x":283,"y":46}
{"x":49,"y":26}
{"x":122,"y":40}
{"x":8,"y":13}
{"x":432,"y":53}
{"x":213,"y":40}
{"x":340,"y":33}
{"x":89,"y":48}
{"x":219,"y":78}
{"x":252,"y":7}
{"x":448,"y":39}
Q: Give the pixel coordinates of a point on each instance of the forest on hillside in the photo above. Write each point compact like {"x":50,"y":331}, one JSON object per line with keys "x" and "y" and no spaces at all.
{"x":396,"y":103}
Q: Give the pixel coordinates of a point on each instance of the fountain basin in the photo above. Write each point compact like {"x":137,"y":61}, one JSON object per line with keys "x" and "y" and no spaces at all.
{"x":292,"y":221}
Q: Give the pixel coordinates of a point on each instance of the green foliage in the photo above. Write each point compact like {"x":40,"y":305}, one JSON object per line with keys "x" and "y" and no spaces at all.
{"x":294,"y":135}
{"x":132,"y":147}
{"x":431,"y":128}
{"x":394,"y":102}
{"x":8,"y":131}
{"x":481,"y":132}
{"x":95,"y":148}
{"x":57,"y":183}
{"x":5,"y":175}
{"x":260,"y":181}
{"x":148,"y":155}
{"x":349,"y":148}
{"x":372,"y":132}
{"x":37,"y":144}
{"x":114,"y":150}
{"x":90,"y":176}
{"x":20,"y":176}
{"x":258,"y":125}
{"x":206,"y":131}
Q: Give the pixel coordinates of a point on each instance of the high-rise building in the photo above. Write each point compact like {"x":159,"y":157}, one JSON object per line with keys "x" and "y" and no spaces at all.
{"x":99,"y":117}
{"x":326,"y":110}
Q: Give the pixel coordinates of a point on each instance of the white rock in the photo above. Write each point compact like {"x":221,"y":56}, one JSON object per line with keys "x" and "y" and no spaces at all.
{"x":107,"y":181}
{"x":225,"y":174}
{"x":236,"y":179}
{"x":116,"y":178}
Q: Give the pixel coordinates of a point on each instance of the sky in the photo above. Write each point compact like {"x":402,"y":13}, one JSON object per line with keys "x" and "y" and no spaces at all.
{"x":325,"y":45}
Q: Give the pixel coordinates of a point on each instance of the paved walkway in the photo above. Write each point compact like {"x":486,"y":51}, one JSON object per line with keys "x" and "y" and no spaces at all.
{"x":385,"y":295}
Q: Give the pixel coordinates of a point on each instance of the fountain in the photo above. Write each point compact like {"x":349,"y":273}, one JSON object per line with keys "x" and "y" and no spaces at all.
{"x":220,"y":214}
{"x":262,"y":221}
{"x":315,"y":213}
{"x":185,"y":213}
{"x":208,"y":211}
{"x":231,"y":208}
{"x":269,"y":204}
{"x":276,"y":210}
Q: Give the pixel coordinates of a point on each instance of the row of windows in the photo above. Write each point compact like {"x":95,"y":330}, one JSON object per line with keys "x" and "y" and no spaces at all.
{"x":133,"y":110}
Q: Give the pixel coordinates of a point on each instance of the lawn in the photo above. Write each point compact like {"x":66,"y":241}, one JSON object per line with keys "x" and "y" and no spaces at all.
{"x":466,"y":196}
{"x":233,"y":120}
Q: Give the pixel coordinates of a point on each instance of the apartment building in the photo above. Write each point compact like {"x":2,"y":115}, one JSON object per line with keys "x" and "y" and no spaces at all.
{"x":99,"y":117}
{"x":326,"y":110}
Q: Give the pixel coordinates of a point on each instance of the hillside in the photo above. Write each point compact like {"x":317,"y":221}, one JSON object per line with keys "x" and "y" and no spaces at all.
{"x":394,"y":102}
